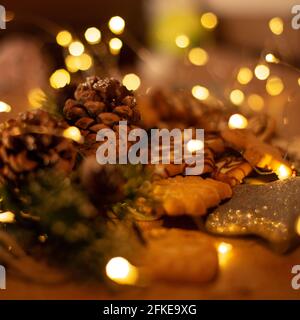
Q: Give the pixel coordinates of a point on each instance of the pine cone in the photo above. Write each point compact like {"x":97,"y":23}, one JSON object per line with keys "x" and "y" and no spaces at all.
{"x":99,"y":104}
{"x":179,"y":109}
{"x":103,"y":183}
{"x":33,"y":141}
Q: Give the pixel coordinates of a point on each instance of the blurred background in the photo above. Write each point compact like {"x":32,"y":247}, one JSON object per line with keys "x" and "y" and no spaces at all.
{"x":240,"y":53}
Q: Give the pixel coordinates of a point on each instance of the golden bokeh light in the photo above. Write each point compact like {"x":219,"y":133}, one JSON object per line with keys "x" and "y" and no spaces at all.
{"x":72,"y":63}
{"x":195,"y":145}
{"x":7,"y":217}
{"x":276,"y":25}
{"x":283,"y":172}
{"x":121,"y":271}
{"x":224,"y":247}
{"x":182,"y":41}
{"x":298,"y":226}
{"x":209,"y":20}
{"x":244,"y":75}
{"x":73,"y":133}
{"x":224,"y":253}
{"x":116,"y":25}
{"x":36,"y":97}
{"x":255,"y":102}
{"x":131,"y":81}
{"x":92,"y":35}
{"x":59,"y":78}
{"x":274,"y":86}
{"x":237,"y":97}
{"x":198,"y":56}
{"x":4,"y":107}
{"x":262,"y":72}
{"x":76,"y":48}
{"x":85,"y":62}
{"x":200,"y":92}
{"x":237,"y":121}
{"x":115,"y":45}
{"x":64,"y":38}
{"x":271,"y":58}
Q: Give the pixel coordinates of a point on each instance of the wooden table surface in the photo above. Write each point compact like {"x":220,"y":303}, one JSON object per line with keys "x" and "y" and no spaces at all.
{"x":249,"y":271}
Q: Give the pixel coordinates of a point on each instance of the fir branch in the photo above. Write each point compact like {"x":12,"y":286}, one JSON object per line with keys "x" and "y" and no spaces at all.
{"x":77,"y":236}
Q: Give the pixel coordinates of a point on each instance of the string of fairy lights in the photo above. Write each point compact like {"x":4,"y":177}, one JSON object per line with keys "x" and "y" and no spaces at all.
{"x":78,"y":58}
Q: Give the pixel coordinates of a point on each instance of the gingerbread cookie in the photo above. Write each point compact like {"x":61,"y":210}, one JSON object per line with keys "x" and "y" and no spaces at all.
{"x":190,"y":195}
{"x":256,"y":152}
{"x":180,"y":256}
{"x":232,"y":170}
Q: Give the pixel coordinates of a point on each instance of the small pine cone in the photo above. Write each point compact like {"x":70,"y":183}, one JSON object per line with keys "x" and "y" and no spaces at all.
{"x":33,"y":141}
{"x":100,"y":103}
{"x":103,"y":183}
{"x":179,"y":109}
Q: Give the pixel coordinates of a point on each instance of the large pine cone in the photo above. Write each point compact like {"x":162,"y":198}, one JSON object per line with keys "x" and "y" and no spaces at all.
{"x":99,"y":104}
{"x":33,"y":141}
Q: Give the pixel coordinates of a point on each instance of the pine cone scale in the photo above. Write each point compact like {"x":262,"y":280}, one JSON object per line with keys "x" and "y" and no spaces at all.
{"x":84,"y":123}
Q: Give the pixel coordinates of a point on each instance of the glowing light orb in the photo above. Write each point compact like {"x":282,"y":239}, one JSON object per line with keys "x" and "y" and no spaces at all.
{"x":224,"y":247}
{"x":283,"y":172}
{"x":271,"y":58}
{"x":276,"y":25}
{"x":209,"y":20}
{"x":237,"y":121}
{"x":237,"y":97}
{"x":244,"y":75}
{"x":59,"y":78}
{"x":7,"y":217}
{"x":4,"y":107}
{"x":261,"y":72}
{"x":182,"y":41}
{"x":274,"y":86}
{"x":64,"y":38}
{"x":200,"y":93}
{"x":73,"y":133}
{"x":298,"y":226}
{"x":195,"y":145}
{"x":121,"y":271}
{"x":198,"y":56}
{"x":116,"y":25}
{"x":92,"y":35}
{"x":76,"y":48}
{"x":115,"y":45}
{"x":131,"y":81}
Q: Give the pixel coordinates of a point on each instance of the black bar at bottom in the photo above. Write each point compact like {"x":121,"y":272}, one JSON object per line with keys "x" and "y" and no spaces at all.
{"x":145,"y":309}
